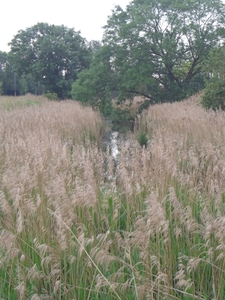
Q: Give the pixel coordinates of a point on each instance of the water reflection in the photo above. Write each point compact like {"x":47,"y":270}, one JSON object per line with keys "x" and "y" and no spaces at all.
{"x":114,"y":145}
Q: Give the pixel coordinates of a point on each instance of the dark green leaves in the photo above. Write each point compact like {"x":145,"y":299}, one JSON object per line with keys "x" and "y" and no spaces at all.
{"x":98,"y":82}
{"x":157,"y":48}
{"x":54,"y":55}
{"x":214,"y":66}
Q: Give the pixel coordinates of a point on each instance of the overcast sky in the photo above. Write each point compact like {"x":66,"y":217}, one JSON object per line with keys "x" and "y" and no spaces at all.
{"x":88,"y":16}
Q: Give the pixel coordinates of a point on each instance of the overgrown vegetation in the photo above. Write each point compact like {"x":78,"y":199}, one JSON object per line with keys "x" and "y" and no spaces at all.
{"x":74,"y":225}
{"x":11,"y":102}
{"x":51,"y":96}
{"x":214,"y":92}
{"x":214,"y":95}
{"x":154,"y":49}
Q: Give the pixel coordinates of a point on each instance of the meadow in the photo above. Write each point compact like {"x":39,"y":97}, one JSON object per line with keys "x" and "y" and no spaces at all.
{"x":75,"y":224}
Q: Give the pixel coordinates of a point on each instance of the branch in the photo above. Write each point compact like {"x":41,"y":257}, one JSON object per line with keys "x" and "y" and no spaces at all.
{"x":191,"y":72}
{"x":137,"y":92}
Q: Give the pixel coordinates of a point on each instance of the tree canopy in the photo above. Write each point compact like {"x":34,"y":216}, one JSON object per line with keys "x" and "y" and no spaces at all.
{"x":154,"y":49}
{"x":53,"y":55}
{"x":214,"y":92}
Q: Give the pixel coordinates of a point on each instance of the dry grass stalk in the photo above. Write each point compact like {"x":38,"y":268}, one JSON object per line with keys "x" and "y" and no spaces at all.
{"x":153,"y":227}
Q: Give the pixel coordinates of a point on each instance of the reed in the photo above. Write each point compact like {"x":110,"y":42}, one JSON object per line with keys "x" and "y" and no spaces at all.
{"x":75,"y":225}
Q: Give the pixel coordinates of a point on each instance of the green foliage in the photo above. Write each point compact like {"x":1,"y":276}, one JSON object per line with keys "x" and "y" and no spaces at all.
{"x":51,"y":96}
{"x":214,"y":95}
{"x":22,"y":86}
{"x":16,"y":83}
{"x":151,"y":44}
{"x":143,"y":138}
{"x":1,"y":88}
{"x":214,"y":64}
{"x":3,"y":60}
{"x":154,"y":49}
{"x":54,"y":55}
{"x":94,"y":46}
{"x":96,"y":84}
{"x":121,"y":119}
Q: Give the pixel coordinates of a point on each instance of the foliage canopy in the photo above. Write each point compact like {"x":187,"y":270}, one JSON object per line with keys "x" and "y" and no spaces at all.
{"x":154,"y":49}
{"x":54,"y":55}
{"x":214,"y":92}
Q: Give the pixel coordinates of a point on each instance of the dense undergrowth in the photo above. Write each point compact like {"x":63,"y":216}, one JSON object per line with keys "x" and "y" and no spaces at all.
{"x":75,"y":225}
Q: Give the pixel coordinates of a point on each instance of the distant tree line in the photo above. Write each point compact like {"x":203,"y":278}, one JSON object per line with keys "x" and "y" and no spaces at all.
{"x":13,"y":83}
{"x":44,"y":58}
{"x":158,"y":49}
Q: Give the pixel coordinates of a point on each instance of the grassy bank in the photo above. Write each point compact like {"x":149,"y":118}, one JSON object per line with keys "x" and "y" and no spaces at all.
{"x":75,"y":226}
{"x":11,"y":102}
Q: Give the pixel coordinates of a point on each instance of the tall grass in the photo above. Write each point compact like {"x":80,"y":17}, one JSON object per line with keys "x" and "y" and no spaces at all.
{"x":75,"y":225}
{"x":11,"y":102}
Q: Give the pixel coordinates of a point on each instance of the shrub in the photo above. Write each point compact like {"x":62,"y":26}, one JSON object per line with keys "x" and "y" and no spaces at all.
{"x":142,"y":138}
{"x":51,"y":96}
{"x":214,"y":95}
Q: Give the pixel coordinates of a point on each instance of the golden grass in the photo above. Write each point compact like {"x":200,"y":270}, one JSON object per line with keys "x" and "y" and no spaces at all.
{"x":75,"y":226}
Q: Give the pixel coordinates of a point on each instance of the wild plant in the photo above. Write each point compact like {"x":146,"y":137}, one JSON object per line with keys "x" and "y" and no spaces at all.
{"x":76,"y":224}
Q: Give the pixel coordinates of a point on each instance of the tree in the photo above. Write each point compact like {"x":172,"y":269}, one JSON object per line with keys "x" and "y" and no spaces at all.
{"x":3,"y":60}
{"x":95,"y":85}
{"x":214,"y":64}
{"x":156,"y":47}
{"x":11,"y":81}
{"x":6,"y":76}
{"x":214,"y":92}
{"x":94,"y":46}
{"x":53,"y":55}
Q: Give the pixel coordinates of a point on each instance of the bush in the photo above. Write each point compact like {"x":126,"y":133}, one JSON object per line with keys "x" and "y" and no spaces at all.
{"x":51,"y":96}
{"x":214,"y":95}
{"x":142,"y":138}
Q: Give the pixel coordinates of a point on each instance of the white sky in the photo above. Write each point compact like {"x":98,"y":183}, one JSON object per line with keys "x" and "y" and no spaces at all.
{"x":87,"y":16}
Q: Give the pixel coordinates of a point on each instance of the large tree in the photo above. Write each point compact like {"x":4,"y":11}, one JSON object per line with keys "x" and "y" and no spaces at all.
{"x":156,"y":47}
{"x":54,"y":55}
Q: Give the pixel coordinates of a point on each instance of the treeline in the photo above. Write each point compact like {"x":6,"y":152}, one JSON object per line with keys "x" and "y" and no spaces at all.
{"x":157,"y":49}
{"x":163,"y":50}
{"x":12,"y":83}
{"x":44,"y":59}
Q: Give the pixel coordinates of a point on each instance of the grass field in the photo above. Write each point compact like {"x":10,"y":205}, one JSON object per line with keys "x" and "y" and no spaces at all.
{"x":11,"y":102}
{"x":75,"y":226}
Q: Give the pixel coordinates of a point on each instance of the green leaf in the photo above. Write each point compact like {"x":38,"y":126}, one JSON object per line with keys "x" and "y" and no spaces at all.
{"x":54,"y":55}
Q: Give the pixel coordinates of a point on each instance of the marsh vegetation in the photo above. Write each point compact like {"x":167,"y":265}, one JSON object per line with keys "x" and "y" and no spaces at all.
{"x":153,"y":228}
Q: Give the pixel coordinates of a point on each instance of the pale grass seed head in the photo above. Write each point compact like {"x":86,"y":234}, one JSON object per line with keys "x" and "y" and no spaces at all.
{"x":55,"y":195}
